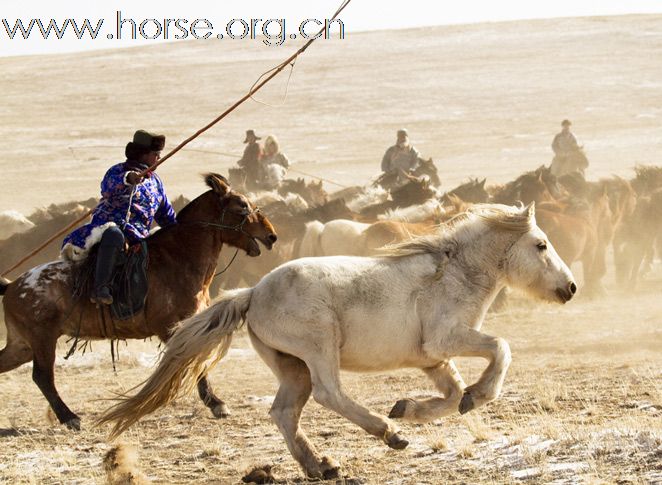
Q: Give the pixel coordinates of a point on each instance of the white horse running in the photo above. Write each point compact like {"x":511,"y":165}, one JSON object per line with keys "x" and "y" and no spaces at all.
{"x":335,"y":238}
{"x":419,"y":306}
{"x":342,"y":237}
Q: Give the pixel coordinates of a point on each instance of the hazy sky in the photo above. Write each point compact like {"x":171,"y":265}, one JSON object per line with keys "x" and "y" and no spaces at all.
{"x":360,"y":15}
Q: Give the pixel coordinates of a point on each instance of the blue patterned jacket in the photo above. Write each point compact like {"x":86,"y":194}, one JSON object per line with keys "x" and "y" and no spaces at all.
{"x":149,"y":204}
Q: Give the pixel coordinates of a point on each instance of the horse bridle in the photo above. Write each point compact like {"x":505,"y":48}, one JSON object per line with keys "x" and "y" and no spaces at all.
{"x":239,"y":227}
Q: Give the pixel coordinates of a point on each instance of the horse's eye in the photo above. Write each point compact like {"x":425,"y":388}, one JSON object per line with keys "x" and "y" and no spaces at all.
{"x":541,"y":246}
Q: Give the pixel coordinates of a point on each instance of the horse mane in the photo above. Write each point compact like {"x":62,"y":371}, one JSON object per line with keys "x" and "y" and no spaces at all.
{"x":213,"y":181}
{"x":500,"y":217}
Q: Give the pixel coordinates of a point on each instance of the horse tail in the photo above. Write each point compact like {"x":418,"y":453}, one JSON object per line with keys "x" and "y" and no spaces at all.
{"x":194,"y":348}
{"x":310,"y":243}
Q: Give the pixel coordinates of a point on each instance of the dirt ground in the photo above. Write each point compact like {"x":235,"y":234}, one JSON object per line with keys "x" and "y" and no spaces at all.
{"x":582,"y":402}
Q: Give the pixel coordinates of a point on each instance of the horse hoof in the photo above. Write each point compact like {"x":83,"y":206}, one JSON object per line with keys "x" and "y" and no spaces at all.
{"x":220,"y":411}
{"x":73,"y":424}
{"x":399,"y":409}
{"x":330,"y":469}
{"x":259,"y":475}
{"x":466,"y":404}
{"x":397,"y":443}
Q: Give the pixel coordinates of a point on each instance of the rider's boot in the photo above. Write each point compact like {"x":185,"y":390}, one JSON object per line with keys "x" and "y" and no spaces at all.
{"x":110,"y":249}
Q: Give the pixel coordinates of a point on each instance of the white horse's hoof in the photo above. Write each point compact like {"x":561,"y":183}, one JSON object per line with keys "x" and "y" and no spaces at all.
{"x":397,"y":442}
{"x":220,"y":411}
{"x":466,"y":404}
{"x":330,"y":469}
{"x":399,"y":410}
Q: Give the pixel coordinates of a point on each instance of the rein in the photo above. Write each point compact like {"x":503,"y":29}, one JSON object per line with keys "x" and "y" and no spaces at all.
{"x":239,"y":227}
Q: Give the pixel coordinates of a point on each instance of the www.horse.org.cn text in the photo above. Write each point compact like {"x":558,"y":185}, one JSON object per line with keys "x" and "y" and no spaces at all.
{"x":273,"y":31}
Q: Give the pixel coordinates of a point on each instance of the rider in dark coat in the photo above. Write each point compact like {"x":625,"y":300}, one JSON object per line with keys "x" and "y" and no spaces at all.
{"x":250,"y":162}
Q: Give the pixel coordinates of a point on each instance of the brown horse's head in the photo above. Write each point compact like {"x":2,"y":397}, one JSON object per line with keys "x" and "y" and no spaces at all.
{"x":241,"y":223}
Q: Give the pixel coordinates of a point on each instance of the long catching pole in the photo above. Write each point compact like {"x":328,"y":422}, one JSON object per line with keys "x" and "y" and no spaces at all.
{"x":254,"y":89}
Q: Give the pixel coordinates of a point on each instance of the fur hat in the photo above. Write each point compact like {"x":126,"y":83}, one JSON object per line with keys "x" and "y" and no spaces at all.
{"x":566,"y":123}
{"x":144,"y":142}
{"x":250,"y":135}
{"x":402,"y":133}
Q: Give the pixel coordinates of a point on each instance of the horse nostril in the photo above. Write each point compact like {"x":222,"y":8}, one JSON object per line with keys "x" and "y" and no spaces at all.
{"x":572,"y":288}
{"x":272,"y":238}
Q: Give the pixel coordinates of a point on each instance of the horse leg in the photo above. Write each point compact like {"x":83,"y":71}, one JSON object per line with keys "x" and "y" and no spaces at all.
{"x":43,"y":375}
{"x":218,"y":408}
{"x":448,"y":381}
{"x":328,"y":392}
{"x":471,"y":343}
{"x":292,"y":396}
{"x":16,"y":352}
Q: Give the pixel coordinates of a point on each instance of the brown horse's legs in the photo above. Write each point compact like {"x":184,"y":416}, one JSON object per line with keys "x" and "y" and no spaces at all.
{"x":217,"y":406}
{"x":43,"y":375}
{"x":16,"y":352}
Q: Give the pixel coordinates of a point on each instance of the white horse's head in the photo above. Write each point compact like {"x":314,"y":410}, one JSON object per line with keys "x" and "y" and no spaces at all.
{"x":533,"y":265}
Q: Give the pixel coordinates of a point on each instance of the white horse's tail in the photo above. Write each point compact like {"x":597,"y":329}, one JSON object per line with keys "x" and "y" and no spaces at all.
{"x":310,"y":243}
{"x":195,"y":347}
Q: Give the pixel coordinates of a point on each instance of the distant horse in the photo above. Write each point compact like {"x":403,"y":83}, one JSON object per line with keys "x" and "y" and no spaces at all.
{"x":427,"y":168}
{"x":413,"y":192}
{"x":472,"y":191}
{"x":429,"y":210}
{"x":647,"y":178}
{"x":351,"y":238}
{"x":575,"y":161}
{"x":575,"y":238}
{"x":537,"y":186}
{"x":420,"y":306}
{"x":635,"y":240}
{"x":291,"y":228}
{"x":40,"y":306}
{"x":54,"y":211}
{"x":13,"y":222}
{"x":424,"y":170}
{"x":15,"y":247}
{"x":312,"y":192}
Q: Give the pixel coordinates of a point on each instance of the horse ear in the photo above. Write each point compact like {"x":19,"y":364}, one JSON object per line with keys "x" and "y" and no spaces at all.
{"x":530,"y":210}
{"x":217,"y":183}
{"x":482,"y":184}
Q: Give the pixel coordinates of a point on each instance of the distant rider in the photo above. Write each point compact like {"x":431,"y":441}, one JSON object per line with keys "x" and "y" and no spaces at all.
{"x":401,"y":156}
{"x":250,"y":161}
{"x":565,"y":147}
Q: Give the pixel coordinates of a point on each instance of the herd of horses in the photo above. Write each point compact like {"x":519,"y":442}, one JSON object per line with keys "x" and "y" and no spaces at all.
{"x":422,"y":302}
{"x":584,"y":219}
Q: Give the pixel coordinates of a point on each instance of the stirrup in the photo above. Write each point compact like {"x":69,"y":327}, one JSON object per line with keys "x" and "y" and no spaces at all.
{"x":102,"y":296}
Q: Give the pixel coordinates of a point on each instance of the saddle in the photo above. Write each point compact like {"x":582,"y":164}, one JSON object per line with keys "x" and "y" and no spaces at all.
{"x":129,"y":282}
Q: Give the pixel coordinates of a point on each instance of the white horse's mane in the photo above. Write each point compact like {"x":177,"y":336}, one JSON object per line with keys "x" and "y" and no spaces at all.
{"x":462,"y":227}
